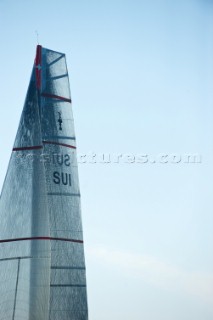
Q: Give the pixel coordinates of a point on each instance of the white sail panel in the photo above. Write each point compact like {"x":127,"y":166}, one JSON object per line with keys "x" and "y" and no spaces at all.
{"x":42,"y":266}
{"x":68,"y":299}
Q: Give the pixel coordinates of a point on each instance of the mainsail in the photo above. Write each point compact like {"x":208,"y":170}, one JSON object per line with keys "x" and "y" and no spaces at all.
{"x":42,"y":266}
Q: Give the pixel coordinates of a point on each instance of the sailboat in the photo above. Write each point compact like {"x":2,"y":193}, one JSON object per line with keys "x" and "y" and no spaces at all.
{"x":42,"y":264}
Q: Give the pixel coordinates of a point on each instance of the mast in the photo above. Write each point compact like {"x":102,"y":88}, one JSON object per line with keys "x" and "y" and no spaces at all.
{"x":41,"y":227}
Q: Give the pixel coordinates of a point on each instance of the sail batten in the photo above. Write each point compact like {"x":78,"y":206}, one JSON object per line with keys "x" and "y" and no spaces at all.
{"x":54,"y":96}
{"x":42,"y":262}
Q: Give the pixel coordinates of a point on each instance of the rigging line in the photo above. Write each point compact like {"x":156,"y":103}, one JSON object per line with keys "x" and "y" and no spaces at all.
{"x":37,"y":35}
{"x":14,"y":307}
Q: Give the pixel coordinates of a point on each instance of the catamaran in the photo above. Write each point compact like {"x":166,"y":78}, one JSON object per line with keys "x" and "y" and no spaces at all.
{"x":42,"y":265}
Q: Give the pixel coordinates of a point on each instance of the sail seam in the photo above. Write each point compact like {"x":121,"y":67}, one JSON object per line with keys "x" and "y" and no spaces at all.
{"x":59,"y":144}
{"x":56,"y":60}
{"x":67,"y":285}
{"x":58,"y":77}
{"x":21,"y":258}
{"x":40,"y":147}
{"x":27,"y":148}
{"x":67,"y":268}
{"x":61,"y":137}
{"x":41,"y":238}
{"x":63,"y":194}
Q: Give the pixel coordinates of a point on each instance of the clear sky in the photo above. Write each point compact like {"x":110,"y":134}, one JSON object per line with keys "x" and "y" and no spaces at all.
{"x":141,"y":75}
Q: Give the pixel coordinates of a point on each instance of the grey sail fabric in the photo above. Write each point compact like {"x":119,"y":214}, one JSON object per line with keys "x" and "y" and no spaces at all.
{"x":42,"y":267}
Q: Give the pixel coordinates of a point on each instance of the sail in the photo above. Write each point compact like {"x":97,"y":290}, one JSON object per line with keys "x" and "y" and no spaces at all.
{"x":42,"y":266}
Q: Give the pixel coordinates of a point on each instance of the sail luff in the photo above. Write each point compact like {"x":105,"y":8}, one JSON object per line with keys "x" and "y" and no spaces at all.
{"x":40,"y":249}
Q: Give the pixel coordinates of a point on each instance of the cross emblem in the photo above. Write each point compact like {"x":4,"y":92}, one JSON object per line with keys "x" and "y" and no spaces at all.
{"x":38,"y":67}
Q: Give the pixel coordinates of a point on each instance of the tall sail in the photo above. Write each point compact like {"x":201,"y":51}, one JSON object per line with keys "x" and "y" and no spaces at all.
{"x":42,"y":266}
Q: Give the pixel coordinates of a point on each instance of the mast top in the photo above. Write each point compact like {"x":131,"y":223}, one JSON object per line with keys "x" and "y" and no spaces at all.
{"x":37,"y":35}
{"x":38,"y":65}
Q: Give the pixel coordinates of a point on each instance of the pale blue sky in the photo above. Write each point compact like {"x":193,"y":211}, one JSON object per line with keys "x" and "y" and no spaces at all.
{"x":141,"y":75}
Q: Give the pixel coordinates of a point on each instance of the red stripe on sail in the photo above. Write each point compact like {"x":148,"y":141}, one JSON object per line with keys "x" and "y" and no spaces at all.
{"x":59,"y":144}
{"x":53,"y":96}
{"x":41,"y":238}
{"x":27,"y":148}
{"x":38,"y":66}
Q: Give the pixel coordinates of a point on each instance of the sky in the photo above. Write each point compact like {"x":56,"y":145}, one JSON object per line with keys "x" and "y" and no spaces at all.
{"x":141,"y":76}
